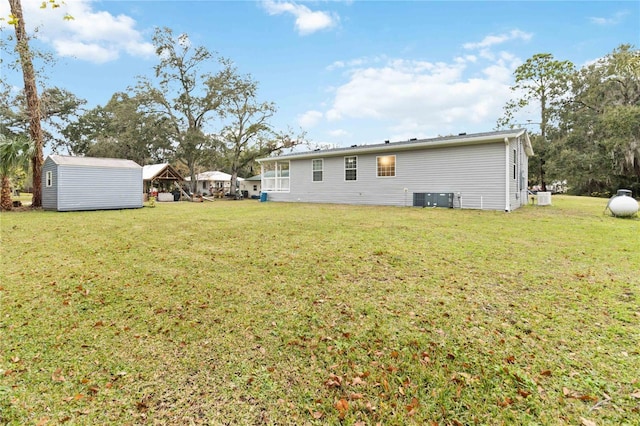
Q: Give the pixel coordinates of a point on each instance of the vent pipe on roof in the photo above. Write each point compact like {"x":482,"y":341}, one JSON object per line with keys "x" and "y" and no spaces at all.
{"x":386,"y":141}
{"x":462,"y":134}
{"x":413,"y":139}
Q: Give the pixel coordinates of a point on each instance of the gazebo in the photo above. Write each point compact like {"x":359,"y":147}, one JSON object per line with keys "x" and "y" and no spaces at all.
{"x":163,"y":180}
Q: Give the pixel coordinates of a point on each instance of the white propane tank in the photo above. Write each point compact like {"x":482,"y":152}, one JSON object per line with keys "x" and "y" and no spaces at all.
{"x":623,"y":205}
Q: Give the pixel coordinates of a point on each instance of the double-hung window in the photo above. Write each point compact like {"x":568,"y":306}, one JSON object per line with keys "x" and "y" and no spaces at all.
{"x":386,"y":166}
{"x":351,"y":168}
{"x":49,"y":179}
{"x":317,"y":166}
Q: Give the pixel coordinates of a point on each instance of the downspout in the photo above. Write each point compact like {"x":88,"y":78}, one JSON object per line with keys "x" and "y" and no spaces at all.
{"x":507,"y":206}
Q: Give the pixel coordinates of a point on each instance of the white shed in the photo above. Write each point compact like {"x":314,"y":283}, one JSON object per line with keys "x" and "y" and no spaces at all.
{"x":85,"y":183}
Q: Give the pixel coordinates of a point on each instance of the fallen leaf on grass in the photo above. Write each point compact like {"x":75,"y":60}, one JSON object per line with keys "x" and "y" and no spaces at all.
{"x":357,"y":381}
{"x":586,"y":422}
{"x":342,"y":406}
{"x":57,"y":376}
{"x":636,"y":394}
{"x":333,"y":381}
{"x":316,"y":414}
{"x":412,"y":406}
{"x":505,"y":402}
{"x":523,"y":393}
{"x":568,"y":393}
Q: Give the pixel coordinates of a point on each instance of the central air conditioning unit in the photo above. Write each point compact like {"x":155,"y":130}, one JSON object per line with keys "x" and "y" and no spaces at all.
{"x":433,"y":199}
{"x":544,"y":198}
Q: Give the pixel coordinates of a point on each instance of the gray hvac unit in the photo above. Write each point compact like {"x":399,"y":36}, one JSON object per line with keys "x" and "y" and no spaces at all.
{"x":433,"y":199}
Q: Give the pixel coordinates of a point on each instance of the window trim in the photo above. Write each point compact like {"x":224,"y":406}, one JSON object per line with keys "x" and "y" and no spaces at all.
{"x":48,"y":179}
{"x":378,"y":157}
{"x":313,"y":170}
{"x":355,"y":169}
{"x":279,"y":182}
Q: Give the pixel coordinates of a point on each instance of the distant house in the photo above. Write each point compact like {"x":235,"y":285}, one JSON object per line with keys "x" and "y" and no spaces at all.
{"x":251,"y":186}
{"x":162,"y":178}
{"x":85,"y":183}
{"x":212,"y":182}
{"x":475,"y":171}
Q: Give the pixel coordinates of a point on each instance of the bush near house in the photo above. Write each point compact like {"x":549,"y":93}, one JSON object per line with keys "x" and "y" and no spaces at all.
{"x":274,"y":313}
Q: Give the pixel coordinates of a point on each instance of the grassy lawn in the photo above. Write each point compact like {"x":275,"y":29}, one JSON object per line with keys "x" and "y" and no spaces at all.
{"x":271,"y":313}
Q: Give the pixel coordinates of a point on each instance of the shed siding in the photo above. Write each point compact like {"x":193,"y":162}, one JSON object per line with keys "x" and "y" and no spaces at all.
{"x":49,"y":194}
{"x":475,"y":172}
{"x":98,"y":188}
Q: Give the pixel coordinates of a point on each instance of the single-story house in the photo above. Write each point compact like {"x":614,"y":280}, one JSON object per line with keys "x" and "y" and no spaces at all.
{"x":86,"y":183}
{"x":212,"y":183}
{"x":471,"y":171}
{"x":162,"y":179}
{"x":251,"y":186}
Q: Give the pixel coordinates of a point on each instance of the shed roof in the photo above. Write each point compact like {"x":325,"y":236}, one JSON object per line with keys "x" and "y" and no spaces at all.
{"x":162,"y":171}
{"x":93,"y":162}
{"x":443,"y":141}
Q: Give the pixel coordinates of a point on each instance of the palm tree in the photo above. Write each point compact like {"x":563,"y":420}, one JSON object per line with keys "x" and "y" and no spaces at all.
{"x":15,"y":153}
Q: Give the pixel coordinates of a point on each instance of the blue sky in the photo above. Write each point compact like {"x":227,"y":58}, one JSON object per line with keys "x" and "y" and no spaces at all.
{"x":347,"y":72}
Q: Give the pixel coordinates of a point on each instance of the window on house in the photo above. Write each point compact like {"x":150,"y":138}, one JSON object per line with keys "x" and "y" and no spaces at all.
{"x":386,"y":166}
{"x":317,"y":166}
{"x":351,"y":168}
{"x":49,"y":179}
{"x":275,"y":176}
{"x":255,"y":187}
{"x":515,"y":164}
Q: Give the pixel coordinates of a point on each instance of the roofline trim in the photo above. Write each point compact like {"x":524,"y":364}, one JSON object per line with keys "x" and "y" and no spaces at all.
{"x":460,"y":140}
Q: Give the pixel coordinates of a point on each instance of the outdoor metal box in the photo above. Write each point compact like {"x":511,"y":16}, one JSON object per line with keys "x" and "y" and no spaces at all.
{"x":85,"y":183}
{"x":433,"y":199}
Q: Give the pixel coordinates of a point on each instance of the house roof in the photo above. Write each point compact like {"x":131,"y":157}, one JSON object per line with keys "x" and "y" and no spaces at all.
{"x":256,"y":178}
{"x":163,"y":171}
{"x":93,"y":162}
{"x":213,"y":176}
{"x":445,"y":141}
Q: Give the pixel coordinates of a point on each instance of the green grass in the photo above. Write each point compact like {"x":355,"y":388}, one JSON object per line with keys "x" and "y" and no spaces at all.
{"x":272,"y":313}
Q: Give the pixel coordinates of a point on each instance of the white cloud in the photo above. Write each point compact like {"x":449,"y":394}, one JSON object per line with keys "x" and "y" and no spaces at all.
{"x":307,"y":20}
{"x":613,"y":20}
{"x":338,"y":133}
{"x":492,"y":40}
{"x":420,"y":98}
{"x":94,"y":36}
{"x":309,"y":119}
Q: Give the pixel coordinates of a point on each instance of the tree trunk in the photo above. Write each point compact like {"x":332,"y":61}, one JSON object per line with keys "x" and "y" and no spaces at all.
{"x":33,"y":103}
{"x":6,"y":203}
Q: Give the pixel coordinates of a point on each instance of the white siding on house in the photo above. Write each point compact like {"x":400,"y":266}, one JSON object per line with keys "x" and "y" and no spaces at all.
{"x":478,"y":169}
{"x":475,"y":172}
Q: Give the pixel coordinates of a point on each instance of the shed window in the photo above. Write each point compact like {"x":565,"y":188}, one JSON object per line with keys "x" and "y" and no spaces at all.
{"x":386,"y":166}
{"x":351,"y":168}
{"x":49,"y":179}
{"x":317,"y":166}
